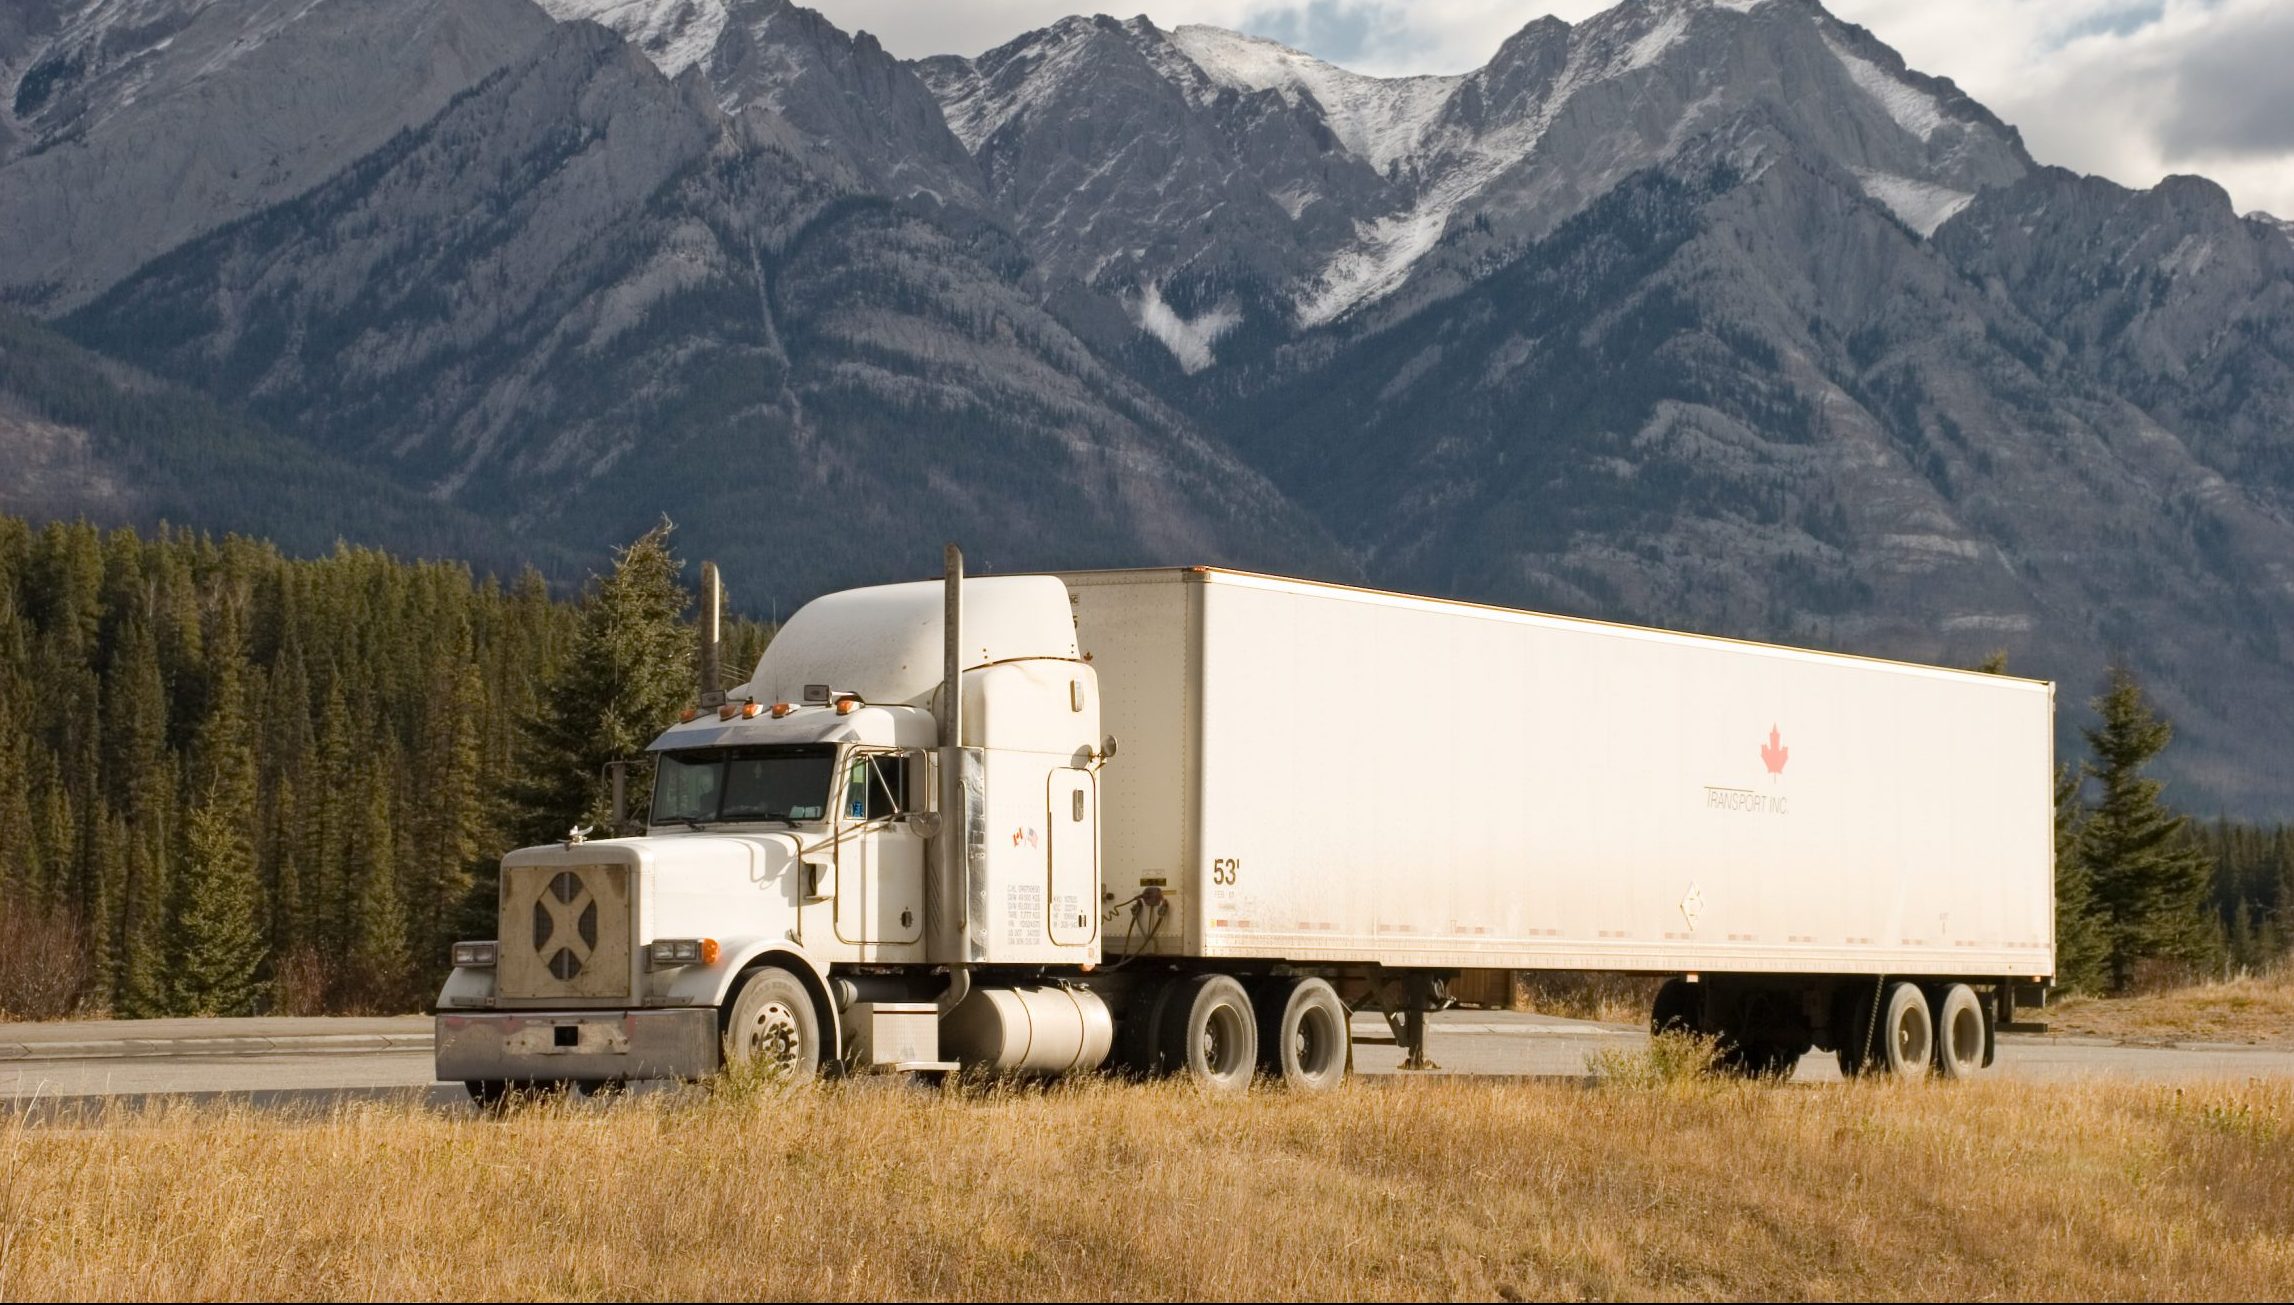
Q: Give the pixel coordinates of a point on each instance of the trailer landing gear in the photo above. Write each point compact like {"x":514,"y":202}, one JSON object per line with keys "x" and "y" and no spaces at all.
{"x":1419,"y":995}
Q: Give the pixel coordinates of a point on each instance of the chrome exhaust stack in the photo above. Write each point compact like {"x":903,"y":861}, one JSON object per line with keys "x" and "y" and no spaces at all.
{"x":950,"y":864}
{"x":712,"y":638}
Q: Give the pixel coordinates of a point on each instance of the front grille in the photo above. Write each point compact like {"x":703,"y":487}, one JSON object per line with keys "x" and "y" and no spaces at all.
{"x":565,"y":931}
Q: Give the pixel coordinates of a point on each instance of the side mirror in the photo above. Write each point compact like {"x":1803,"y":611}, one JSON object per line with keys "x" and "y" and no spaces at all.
{"x":1107,"y":749}
{"x":925,"y":823}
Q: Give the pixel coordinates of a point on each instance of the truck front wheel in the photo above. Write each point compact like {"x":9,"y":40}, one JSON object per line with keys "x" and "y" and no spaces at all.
{"x":773,"y":1028}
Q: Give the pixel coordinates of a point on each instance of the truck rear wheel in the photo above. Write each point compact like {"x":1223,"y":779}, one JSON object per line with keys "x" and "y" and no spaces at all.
{"x":1210,"y":1034}
{"x":773,"y":1027}
{"x":1959,"y":1032}
{"x":1303,"y":1035}
{"x":1906,"y":1039}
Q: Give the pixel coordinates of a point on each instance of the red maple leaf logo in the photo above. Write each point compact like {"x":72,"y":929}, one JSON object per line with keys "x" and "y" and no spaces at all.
{"x":1773,"y":754}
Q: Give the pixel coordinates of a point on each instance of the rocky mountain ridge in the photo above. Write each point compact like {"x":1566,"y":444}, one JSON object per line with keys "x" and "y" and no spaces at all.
{"x":1705,"y":313}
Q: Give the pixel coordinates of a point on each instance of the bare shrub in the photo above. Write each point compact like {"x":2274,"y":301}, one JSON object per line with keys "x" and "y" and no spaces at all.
{"x":44,"y":964}
{"x":299,"y":984}
{"x":1672,"y":1057}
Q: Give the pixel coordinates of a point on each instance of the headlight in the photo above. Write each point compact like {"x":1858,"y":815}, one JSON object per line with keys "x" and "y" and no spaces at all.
{"x":669,"y":953}
{"x":475,"y":955}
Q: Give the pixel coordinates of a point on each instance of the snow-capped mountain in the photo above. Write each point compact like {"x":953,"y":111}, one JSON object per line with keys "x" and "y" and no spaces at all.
{"x":139,"y":124}
{"x":1333,"y":190}
{"x":1707,"y":313}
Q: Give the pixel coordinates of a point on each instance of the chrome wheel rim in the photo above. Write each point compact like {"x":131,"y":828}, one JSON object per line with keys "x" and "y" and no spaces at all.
{"x":774,"y":1038}
{"x":1222,"y":1041}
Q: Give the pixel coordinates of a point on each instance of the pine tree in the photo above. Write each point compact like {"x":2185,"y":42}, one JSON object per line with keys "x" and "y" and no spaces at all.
{"x":628,"y":671}
{"x":327,"y":832}
{"x":140,"y":777}
{"x":450,"y":812}
{"x":2080,"y":947}
{"x":144,"y":989}
{"x":379,"y":959}
{"x":219,"y":928}
{"x":2151,"y":884}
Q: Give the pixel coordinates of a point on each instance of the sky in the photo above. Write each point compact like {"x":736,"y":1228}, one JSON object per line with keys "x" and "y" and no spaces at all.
{"x":2131,"y":89}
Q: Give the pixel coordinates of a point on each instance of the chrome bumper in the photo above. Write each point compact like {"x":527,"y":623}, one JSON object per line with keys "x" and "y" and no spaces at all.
{"x":577,"y":1046}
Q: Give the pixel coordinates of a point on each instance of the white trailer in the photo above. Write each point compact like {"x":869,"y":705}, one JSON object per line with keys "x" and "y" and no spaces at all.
{"x":1185,"y":820}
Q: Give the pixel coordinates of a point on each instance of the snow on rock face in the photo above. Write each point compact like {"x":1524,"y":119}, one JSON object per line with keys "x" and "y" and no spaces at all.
{"x":1189,"y":341}
{"x":1377,"y":119}
{"x":674,"y":34}
{"x":1921,"y":205}
{"x":1914,"y":110}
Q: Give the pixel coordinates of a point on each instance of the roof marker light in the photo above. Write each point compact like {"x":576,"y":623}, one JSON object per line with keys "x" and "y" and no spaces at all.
{"x":781,"y":709}
{"x":749,"y":710}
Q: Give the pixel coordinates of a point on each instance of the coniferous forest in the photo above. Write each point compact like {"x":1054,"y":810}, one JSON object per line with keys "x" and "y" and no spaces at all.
{"x":233,"y":781}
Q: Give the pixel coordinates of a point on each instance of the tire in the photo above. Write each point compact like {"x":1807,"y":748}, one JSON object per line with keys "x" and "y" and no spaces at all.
{"x":1906,"y":1041}
{"x":773,"y":1028}
{"x":1679,"y":1008}
{"x":1209,"y":1033}
{"x":1759,"y":1060}
{"x":1959,"y":1033}
{"x":1304,"y":1037}
{"x":487,"y":1093}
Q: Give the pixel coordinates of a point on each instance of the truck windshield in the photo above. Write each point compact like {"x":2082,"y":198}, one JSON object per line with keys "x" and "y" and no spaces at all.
{"x":787,"y":782}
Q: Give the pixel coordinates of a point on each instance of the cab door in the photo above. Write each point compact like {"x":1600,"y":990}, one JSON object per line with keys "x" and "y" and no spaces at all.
{"x":879,"y":858}
{"x":1072,"y":819}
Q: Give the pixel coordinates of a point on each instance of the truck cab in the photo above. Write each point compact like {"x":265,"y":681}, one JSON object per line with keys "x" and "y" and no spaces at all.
{"x":780,"y":903}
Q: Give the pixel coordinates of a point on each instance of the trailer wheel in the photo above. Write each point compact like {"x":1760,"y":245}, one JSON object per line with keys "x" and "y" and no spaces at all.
{"x":1959,"y":1032}
{"x":1209,"y":1032}
{"x":1759,"y":1060}
{"x":1907,"y":1036}
{"x":773,"y":1028}
{"x":1304,"y":1035}
{"x":1679,"y":1008}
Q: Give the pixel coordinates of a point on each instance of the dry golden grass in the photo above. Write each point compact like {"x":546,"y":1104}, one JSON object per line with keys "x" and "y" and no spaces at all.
{"x":2251,"y":1009}
{"x":1609,"y":998}
{"x":1417,"y":1189}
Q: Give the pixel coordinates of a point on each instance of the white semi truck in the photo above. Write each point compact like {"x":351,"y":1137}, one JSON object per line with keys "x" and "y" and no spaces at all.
{"x":1189,"y":820}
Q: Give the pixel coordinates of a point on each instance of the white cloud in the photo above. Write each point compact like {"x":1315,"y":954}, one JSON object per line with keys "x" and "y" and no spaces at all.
{"x":2131,"y":89}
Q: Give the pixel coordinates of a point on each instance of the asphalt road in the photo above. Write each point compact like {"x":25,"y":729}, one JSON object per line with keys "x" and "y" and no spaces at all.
{"x":314,"y":1061}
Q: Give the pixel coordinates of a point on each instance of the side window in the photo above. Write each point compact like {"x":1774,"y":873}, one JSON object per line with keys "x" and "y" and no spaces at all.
{"x":876,"y":786}
{"x":887,"y":785}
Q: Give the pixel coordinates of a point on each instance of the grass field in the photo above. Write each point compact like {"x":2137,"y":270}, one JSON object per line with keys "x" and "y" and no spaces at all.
{"x":1418,"y":1189}
{"x":2256,"y":1009}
